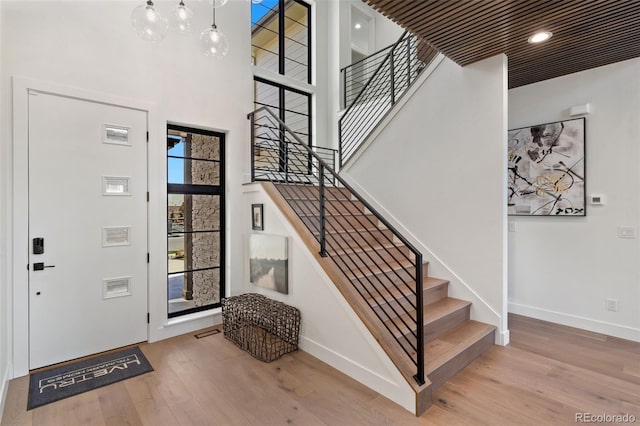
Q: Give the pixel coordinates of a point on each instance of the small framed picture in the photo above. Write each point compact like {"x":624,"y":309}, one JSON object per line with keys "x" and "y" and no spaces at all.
{"x":257,"y":221}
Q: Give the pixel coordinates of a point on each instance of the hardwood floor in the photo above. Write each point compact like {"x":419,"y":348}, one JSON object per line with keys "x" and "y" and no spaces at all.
{"x":547,"y":375}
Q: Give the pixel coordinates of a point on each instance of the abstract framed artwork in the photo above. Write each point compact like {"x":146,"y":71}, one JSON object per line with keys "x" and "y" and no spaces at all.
{"x":269,"y":262}
{"x":546,"y":169}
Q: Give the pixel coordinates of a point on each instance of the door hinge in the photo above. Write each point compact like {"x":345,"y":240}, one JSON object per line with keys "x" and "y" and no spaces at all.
{"x":27,"y":266}
{"x":147,"y":257}
{"x":147,"y":137}
{"x":147,"y":196}
{"x":148,"y":317}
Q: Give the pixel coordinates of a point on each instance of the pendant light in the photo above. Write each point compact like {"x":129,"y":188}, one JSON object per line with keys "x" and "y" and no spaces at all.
{"x":148,"y":23}
{"x":213,"y":41}
{"x":151,"y":26}
{"x":180,"y":19}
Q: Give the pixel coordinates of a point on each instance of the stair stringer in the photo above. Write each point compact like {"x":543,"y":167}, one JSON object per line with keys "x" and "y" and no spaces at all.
{"x":371,"y":362}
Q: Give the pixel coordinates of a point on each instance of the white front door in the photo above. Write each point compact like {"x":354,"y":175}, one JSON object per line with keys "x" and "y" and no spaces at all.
{"x":88,"y":205}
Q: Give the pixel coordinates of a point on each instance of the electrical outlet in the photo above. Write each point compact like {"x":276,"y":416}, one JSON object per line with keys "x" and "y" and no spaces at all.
{"x":612,"y":305}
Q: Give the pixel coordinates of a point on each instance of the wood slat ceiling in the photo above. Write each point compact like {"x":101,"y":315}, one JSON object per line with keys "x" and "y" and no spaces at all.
{"x":586,"y":33}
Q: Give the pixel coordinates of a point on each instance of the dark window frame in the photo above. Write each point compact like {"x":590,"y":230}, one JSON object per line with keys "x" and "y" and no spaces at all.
{"x":282,"y":88}
{"x":191,"y":189}
{"x":282,"y":5}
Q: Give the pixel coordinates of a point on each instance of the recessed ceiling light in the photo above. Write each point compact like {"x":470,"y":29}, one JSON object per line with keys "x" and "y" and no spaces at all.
{"x":539,"y":37}
{"x":357,"y":26}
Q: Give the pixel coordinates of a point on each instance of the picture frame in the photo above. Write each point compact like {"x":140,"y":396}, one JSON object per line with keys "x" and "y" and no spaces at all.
{"x":269,"y":262}
{"x":257,"y":218}
{"x":546,"y":168}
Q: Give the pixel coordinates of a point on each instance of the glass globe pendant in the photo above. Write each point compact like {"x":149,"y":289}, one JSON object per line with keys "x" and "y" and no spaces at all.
{"x":148,"y":23}
{"x":181,"y":18}
{"x":214,"y":42}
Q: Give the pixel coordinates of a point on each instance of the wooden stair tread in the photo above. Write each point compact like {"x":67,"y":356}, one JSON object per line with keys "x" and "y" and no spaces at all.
{"x":407,"y":290}
{"x":373,"y":247}
{"x":330,"y":214}
{"x":432,"y":312}
{"x":371,"y":270}
{"x":328,"y":197}
{"x":366,"y":230}
{"x":446,"y":347}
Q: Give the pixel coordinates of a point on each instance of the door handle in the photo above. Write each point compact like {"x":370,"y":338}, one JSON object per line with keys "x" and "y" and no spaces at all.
{"x":39,"y":266}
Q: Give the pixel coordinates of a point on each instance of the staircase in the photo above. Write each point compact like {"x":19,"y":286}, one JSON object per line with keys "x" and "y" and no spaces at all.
{"x":451,"y":339}
{"x":427,"y":335}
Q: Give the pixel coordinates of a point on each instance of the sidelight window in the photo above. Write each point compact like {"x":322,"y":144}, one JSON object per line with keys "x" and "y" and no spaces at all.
{"x":195,"y":219}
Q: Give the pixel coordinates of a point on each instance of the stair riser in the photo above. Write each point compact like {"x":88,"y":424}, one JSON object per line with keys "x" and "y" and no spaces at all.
{"x":442,"y":325}
{"x":454,"y":365}
{"x":445,"y":324}
{"x":408,"y":302}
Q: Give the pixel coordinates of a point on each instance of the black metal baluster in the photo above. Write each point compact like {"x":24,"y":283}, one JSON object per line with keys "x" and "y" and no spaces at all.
{"x":409,"y":61}
{"x":419,"y":321}
{"x":252,"y":117}
{"x":323,"y":248}
{"x":344,"y":86}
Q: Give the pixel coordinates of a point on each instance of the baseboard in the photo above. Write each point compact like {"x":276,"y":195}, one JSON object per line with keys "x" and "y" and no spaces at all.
{"x":401,"y":395}
{"x":4,"y":389}
{"x":603,"y":327}
{"x":503,"y":338}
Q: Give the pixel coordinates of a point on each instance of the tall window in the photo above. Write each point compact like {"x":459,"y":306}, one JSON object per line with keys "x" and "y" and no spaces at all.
{"x":291,"y":105}
{"x":281,"y":37}
{"x":195,"y":219}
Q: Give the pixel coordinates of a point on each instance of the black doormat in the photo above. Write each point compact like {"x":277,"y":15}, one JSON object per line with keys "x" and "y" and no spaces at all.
{"x":62,"y":382}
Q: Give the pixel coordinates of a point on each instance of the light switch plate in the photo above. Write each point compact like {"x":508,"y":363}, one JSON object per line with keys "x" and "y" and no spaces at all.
{"x":627,"y":232}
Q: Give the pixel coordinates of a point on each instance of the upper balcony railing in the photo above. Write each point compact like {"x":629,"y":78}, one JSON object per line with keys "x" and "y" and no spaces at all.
{"x":383,"y":77}
{"x":356,"y":75}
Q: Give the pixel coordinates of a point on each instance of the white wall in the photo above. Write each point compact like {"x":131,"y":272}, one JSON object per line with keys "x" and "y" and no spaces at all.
{"x":5,"y":320}
{"x":387,"y":31}
{"x":564,"y":269}
{"x":438,"y":168}
{"x":91,"y":46}
{"x":330,"y":330}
